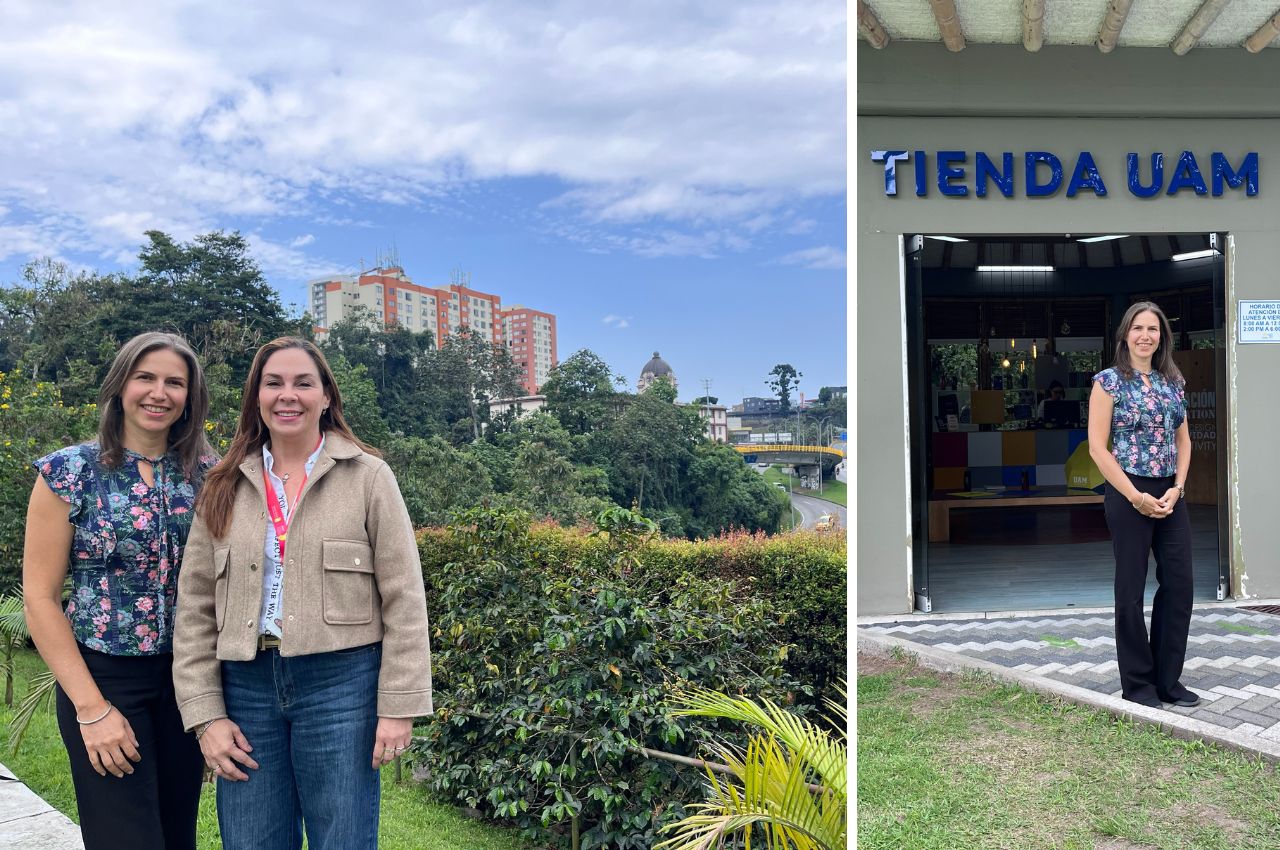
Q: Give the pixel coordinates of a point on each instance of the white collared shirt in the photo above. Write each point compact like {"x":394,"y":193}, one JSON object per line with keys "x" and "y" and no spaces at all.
{"x":272,"y":615}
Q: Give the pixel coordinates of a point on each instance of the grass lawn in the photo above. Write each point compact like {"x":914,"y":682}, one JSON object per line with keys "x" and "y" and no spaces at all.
{"x":832,"y":491}
{"x":410,"y":820}
{"x":960,"y":761}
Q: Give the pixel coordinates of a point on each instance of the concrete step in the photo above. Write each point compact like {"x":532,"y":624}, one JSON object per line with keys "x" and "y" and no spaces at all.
{"x":27,"y":821}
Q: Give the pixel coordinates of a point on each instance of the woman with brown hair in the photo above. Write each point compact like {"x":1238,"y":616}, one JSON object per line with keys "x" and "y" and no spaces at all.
{"x":302,"y":640}
{"x":1140,"y":403}
{"x":115,"y":514}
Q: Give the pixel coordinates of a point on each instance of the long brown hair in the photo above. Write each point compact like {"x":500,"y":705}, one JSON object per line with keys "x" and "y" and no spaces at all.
{"x":1162,"y":360}
{"x":219,"y":493}
{"x":186,"y":436}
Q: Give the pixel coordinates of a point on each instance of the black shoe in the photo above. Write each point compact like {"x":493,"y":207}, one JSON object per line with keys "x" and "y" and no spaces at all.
{"x":1149,"y":702}
{"x":1187,"y":699}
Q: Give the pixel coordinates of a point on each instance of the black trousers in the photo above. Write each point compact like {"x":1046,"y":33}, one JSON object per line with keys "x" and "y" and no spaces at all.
{"x":1151,"y":667}
{"x":153,"y":808}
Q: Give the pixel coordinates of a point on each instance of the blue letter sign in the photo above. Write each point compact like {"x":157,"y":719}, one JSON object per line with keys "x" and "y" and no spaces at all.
{"x":949,"y":173}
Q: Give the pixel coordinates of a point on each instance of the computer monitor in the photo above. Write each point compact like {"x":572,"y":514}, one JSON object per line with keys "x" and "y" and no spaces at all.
{"x":1061,"y":413}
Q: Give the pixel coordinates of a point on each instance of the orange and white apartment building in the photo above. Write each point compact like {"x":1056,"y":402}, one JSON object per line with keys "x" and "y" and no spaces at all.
{"x":392,"y":298}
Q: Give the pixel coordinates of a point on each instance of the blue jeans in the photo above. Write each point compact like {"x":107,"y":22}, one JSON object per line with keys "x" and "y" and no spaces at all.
{"x":311,"y":721}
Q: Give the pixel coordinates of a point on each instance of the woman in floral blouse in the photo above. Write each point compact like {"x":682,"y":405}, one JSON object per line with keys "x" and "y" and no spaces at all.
{"x":115,"y":514}
{"x":1140,"y":404}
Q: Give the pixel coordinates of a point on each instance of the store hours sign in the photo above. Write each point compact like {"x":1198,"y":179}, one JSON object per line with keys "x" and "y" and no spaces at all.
{"x":1036,"y":174}
{"x":1259,"y":321}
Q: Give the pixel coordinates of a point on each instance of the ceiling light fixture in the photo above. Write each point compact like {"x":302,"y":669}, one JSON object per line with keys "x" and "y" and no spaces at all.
{"x":1195,"y":255}
{"x":1104,"y":238}
{"x":1015,"y":268}
{"x":945,"y":238}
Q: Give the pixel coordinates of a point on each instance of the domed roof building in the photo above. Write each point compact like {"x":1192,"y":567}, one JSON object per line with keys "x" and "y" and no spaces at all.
{"x":654,"y":369}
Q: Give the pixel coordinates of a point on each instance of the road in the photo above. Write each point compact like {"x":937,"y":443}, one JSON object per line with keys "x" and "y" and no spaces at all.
{"x":810,"y":509}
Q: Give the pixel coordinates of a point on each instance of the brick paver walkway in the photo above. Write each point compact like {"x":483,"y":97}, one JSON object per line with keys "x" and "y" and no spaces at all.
{"x":1233,"y":658}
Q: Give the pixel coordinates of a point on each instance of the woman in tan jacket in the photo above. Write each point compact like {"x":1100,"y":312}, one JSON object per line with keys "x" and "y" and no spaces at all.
{"x":301,"y":651}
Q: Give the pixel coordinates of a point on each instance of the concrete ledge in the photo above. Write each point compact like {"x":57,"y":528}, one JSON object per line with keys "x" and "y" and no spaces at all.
{"x":1167,"y":720}
{"x":28,"y":822}
{"x":918,"y":617}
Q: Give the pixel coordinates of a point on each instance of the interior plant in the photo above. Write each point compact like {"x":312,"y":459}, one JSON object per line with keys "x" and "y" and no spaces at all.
{"x":788,"y":786}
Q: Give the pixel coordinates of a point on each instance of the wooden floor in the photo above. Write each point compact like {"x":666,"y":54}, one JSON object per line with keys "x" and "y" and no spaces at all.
{"x":1026,"y":558}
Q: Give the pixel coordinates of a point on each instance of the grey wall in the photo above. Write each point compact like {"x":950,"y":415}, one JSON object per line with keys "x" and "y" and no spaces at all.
{"x":884,"y":539}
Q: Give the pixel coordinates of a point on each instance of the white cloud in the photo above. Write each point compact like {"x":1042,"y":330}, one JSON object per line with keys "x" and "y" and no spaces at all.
{"x":302,"y":241}
{"x":185,"y":116}
{"x":617,"y":321}
{"x":825,"y":257}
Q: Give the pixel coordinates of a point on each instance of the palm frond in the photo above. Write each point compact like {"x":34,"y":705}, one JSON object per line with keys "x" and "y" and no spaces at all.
{"x":828,"y":758}
{"x":773,"y":793}
{"x":40,"y":693}
{"x":13,"y":623}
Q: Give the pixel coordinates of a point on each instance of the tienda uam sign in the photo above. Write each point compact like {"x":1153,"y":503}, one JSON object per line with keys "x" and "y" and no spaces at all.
{"x":1038,"y":174}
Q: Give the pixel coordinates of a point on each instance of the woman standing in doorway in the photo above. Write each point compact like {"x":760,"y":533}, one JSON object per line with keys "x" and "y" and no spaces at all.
{"x":1140,"y":404}
{"x":302,"y":652}
{"x":115,"y":514}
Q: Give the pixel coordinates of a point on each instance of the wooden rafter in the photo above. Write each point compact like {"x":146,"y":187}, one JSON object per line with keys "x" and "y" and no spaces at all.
{"x":1265,"y":35}
{"x":1112,"y":23}
{"x":1032,"y":24}
{"x":948,"y":24}
{"x":1199,"y":23}
{"x":870,"y":28}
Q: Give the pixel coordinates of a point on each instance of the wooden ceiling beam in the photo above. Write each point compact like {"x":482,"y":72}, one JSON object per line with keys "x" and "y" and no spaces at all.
{"x":1199,"y":23}
{"x":948,"y":24}
{"x":870,"y":28}
{"x":1112,"y":23}
{"x":1032,"y":24}
{"x":1265,"y":35}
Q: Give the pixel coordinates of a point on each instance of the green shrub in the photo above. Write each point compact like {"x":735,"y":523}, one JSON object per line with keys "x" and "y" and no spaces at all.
{"x":553,"y":655}
{"x":33,"y":422}
{"x":800,"y":576}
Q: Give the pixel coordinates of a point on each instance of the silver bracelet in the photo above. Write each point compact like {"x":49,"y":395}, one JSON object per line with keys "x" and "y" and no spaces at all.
{"x":1141,"y":502}
{"x":96,"y":719}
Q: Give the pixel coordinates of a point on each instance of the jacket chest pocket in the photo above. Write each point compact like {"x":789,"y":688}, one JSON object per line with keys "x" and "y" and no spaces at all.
{"x":221,"y":557}
{"x":347,"y":585}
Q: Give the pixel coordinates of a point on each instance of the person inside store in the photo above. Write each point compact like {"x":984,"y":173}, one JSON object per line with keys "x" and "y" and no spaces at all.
{"x":1140,"y":404}
{"x":1056,"y":392}
{"x":114,"y":514}
{"x":302,"y":638}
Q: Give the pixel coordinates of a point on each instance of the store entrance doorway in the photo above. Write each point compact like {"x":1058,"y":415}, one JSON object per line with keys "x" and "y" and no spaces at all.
{"x":1004,"y":336}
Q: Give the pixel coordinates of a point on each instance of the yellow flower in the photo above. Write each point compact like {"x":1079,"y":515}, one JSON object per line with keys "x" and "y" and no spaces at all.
{"x":4,"y":406}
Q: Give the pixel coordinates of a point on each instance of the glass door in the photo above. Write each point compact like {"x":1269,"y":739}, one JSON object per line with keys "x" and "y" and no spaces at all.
{"x":918,"y":403}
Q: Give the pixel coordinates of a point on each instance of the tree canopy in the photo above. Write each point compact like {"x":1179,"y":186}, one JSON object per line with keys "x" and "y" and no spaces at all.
{"x":426,"y":407}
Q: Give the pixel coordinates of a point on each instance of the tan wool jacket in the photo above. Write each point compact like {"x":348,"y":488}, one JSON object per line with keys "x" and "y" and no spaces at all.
{"x":352,"y":576}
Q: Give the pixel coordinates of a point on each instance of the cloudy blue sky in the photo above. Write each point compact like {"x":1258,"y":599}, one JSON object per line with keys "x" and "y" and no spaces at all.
{"x":662,"y":175}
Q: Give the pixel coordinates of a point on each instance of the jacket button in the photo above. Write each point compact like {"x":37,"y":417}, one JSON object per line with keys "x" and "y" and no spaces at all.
{"x":357,"y":562}
{"x":253,"y":568}
{"x":249,"y":625}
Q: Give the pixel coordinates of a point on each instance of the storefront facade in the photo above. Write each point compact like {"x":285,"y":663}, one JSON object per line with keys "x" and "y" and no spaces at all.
{"x":964,"y":144}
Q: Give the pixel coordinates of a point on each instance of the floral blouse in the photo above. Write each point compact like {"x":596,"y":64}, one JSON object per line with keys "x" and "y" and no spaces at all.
{"x":1143,"y":422}
{"x":126,"y":547}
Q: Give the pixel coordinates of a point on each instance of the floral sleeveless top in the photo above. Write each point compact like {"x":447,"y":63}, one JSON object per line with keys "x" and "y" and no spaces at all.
{"x":126,"y":547}
{"x":1143,"y":422}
